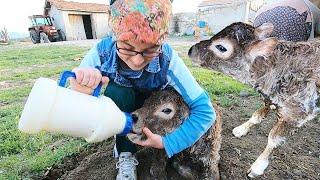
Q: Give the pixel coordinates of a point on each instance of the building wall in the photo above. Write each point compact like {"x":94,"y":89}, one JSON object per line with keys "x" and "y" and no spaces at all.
{"x":182,"y":23}
{"x":71,"y":23}
{"x":76,"y":29}
{"x":57,"y":17}
{"x":69,"y":31}
{"x":100,"y":26}
{"x":220,"y":16}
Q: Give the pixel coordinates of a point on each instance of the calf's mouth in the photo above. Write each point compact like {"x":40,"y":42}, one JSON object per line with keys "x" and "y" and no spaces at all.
{"x":136,"y":133}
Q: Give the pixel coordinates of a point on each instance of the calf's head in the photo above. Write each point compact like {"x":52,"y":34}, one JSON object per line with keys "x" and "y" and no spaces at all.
{"x":233,"y":49}
{"x":162,"y":113}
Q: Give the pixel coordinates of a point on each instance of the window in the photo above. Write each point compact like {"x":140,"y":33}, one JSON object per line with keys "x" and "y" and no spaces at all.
{"x":43,"y":21}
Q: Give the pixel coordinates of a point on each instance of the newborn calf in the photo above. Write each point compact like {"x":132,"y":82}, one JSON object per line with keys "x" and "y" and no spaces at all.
{"x":287,"y":74}
{"x":162,"y":113}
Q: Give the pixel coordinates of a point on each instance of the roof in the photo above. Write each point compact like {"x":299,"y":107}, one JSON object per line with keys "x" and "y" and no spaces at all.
{"x":76,"y":6}
{"x":214,"y":2}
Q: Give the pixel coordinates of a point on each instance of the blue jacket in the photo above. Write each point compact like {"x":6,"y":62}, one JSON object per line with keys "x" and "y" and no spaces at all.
{"x":166,"y":70}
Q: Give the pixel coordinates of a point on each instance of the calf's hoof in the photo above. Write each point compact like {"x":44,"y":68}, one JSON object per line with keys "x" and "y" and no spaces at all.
{"x":240,"y":131}
{"x":257,"y":168}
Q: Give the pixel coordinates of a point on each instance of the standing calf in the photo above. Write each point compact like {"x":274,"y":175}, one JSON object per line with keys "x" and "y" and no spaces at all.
{"x":287,"y":74}
{"x":162,"y":113}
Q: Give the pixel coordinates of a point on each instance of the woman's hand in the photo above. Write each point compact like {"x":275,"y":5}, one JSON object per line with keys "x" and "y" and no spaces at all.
{"x":153,"y":140}
{"x":87,"y":80}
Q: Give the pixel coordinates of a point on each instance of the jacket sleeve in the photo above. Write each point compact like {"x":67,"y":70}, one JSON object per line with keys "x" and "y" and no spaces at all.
{"x":91,"y":59}
{"x":202,"y":114}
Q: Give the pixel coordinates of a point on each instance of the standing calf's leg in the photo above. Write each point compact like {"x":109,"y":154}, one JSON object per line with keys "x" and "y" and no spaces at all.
{"x":216,"y":145}
{"x":276,"y":137}
{"x":256,"y":118}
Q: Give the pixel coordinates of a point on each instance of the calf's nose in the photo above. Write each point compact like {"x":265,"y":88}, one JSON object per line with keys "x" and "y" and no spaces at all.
{"x":134,"y":118}
{"x":192,"y":51}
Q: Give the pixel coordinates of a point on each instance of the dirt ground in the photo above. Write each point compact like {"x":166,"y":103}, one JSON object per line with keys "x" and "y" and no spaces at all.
{"x":298,"y":158}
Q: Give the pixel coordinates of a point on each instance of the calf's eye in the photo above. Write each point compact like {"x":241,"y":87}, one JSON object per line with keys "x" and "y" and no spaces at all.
{"x":167,"y":111}
{"x":221,"y":48}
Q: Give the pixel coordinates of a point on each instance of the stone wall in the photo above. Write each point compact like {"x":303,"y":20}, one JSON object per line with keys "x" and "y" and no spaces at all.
{"x":183,"y":24}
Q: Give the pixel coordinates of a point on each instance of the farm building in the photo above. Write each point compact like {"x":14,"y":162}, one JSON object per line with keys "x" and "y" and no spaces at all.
{"x":79,"y":21}
{"x":220,"y":13}
{"x":183,"y":23}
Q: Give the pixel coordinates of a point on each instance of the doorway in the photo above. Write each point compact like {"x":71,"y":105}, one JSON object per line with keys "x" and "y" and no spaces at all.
{"x":87,"y":26}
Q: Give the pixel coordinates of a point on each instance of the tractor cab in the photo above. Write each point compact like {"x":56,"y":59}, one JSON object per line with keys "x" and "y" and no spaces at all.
{"x":42,"y":30}
{"x":39,"y":20}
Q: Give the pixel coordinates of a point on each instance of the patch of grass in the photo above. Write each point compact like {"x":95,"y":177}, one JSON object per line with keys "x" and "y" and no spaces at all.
{"x":226,"y":100}
{"x":39,"y":72}
{"x":15,"y":58}
{"x":22,"y":155}
{"x":14,"y":95}
{"x":27,"y":165}
{"x":218,"y":84}
{"x":28,"y":153}
{"x":9,"y":136}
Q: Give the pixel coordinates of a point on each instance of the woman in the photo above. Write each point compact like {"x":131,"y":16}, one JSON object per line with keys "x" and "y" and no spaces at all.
{"x":136,"y":61}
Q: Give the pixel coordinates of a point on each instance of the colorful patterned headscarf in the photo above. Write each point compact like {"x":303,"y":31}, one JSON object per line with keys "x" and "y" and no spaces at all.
{"x":141,"y":21}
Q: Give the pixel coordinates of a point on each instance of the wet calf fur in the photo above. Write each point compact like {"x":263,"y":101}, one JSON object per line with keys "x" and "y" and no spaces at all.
{"x":162,"y":113}
{"x":287,"y":74}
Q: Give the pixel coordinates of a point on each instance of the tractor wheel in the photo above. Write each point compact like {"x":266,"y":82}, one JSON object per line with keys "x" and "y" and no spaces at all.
{"x":34,"y":36}
{"x":44,"y":38}
{"x":62,"y":36}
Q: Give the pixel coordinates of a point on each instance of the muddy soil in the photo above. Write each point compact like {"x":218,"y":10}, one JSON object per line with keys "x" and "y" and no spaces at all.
{"x":298,"y":158}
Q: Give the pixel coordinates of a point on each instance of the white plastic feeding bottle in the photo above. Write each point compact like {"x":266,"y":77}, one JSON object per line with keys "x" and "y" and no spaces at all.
{"x":57,"y":109}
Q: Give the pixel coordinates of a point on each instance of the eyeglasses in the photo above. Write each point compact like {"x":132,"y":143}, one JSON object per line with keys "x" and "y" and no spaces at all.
{"x":147,"y":54}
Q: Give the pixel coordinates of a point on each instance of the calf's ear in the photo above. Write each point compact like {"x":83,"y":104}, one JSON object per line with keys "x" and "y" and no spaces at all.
{"x":262,"y":48}
{"x":264,"y":31}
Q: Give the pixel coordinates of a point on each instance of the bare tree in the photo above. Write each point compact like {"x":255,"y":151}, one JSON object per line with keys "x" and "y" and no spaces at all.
{"x":4,"y":36}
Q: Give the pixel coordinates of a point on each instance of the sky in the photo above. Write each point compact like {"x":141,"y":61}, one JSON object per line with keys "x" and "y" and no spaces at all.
{"x":14,"y":13}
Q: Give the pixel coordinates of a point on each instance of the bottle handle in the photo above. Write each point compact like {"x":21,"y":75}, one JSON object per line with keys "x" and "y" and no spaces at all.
{"x":67,"y":74}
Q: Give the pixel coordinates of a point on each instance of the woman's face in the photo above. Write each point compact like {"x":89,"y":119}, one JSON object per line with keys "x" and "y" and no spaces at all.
{"x":137,"y":55}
